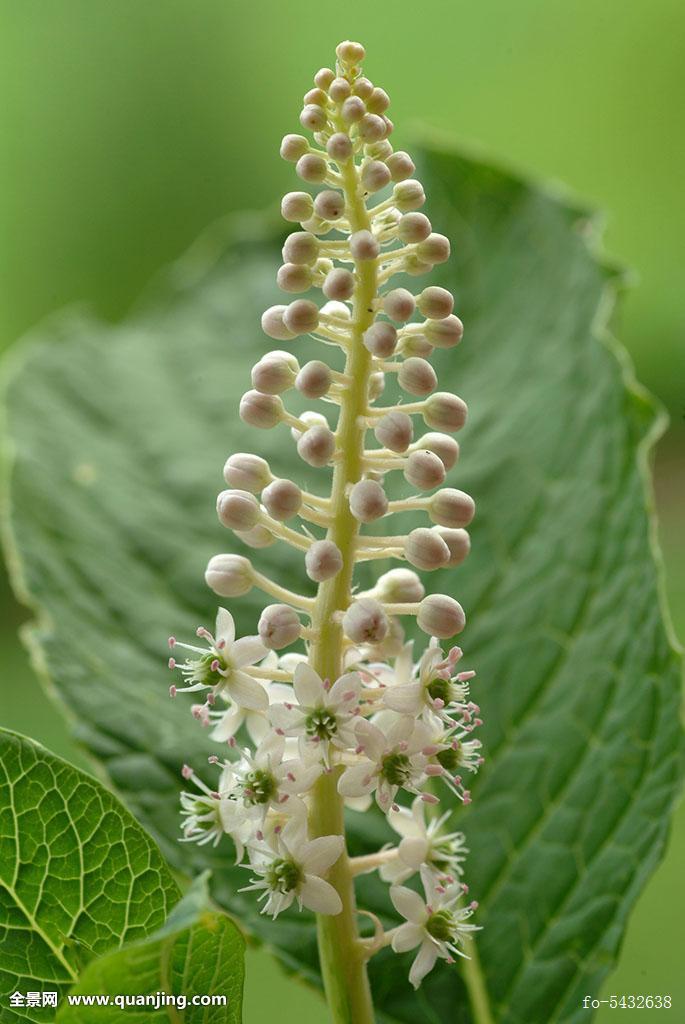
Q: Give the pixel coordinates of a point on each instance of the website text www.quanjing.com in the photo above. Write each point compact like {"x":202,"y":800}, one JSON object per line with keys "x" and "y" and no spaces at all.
{"x":151,"y":1001}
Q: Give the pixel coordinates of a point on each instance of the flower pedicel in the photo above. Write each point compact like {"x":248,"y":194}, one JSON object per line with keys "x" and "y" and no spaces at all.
{"x":349,"y":718}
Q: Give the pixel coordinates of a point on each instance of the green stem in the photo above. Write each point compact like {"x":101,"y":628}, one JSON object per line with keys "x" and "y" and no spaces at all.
{"x":341,"y":954}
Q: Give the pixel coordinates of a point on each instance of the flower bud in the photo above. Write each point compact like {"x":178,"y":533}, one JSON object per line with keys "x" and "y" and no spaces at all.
{"x":353,"y":109}
{"x":435,"y":303}
{"x":378,"y":102}
{"x":282,"y":499}
{"x":415,"y":345}
{"x":312,"y":168}
{"x":316,"y":446}
{"x":339,"y":90}
{"x":339,"y":147}
{"x":323,"y":78}
{"x":444,"y":446}
{"x":441,"y":616}
{"x":415,"y":267}
{"x":364,"y":246}
{"x":452,"y":508}
{"x":293,"y":147}
{"x":401,"y":166}
{"x":399,"y":305}
{"x":395,"y":431}
{"x":316,"y":96}
{"x":314,"y":379}
{"x":257,"y":537}
{"x":237,"y":510}
{"x":247,"y":472}
{"x":362,"y":87}
{"x":229,"y":575}
{"x":275,"y":372}
{"x":424,"y":470}
{"x":337,"y":311}
{"x":380,"y":339}
{"x":258,"y":410}
{"x":426,"y":549}
{"x":375,"y":175}
{"x":297,"y":206}
{"x":273,"y":324}
{"x":378,"y":150}
{"x":313,"y":117}
{"x":372,"y":128}
{"x":301,"y":316}
{"x":323,"y":561}
{"x":309,"y":419}
{"x":350,"y":53}
{"x":279,"y":625}
{"x":365,"y":622}
{"x":444,"y":411}
{"x":399,"y":586}
{"x":339,"y":284}
{"x":445,"y":333}
{"x":414,"y":227}
{"x":434,"y":249}
{"x":368,"y":501}
{"x":409,"y":195}
{"x":300,"y":247}
{"x":376,"y":385}
{"x":329,"y":204}
{"x":294,"y":277}
{"x":416,"y":376}
{"x":459,"y":543}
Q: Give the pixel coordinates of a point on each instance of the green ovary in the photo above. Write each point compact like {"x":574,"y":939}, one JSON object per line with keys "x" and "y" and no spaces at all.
{"x":284,"y":876}
{"x":259,"y":787}
{"x":440,"y":689}
{"x":396,"y":769}
{"x":440,"y":925}
{"x":321,"y":723}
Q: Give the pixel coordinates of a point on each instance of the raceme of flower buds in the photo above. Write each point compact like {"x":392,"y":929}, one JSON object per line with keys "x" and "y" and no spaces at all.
{"x":328,"y":697}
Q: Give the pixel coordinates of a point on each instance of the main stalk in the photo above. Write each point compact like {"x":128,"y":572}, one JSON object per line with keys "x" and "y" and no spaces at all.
{"x":343,"y":965}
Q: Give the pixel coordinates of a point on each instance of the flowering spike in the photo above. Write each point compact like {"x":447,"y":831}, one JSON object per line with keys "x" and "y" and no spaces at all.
{"x":351,"y":716}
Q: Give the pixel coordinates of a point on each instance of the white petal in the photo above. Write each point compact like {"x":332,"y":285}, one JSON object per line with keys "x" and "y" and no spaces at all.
{"x":257,"y":726}
{"x":319,"y":896}
{"x":420,"y":738}
{"x":308,"y":686}
{"x":225,"y":627}
{"x":357,"y":780}
{"x":423,"y":964}
{"x":372,"y":739}
{"x":400,"y":731}
{"x":318,"y":855}
{"x":247,"y":692}
{"x":413,"y":851}
{"x":247,"y":651}
{"x":408,"y":903}
{"x":404,"y":822}
{"x":407,"y":700}
{"x":270,"y":751}
{"x":349,"y":683}
{"x":404,"y":665}
{"x":358,"y":803}
{"x":228,"y":724}
{"x":407,"y":936}
{"x":285,"y":718}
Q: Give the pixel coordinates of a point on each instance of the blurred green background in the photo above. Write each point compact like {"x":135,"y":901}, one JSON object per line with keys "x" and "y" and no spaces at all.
{"x":129,"y":126}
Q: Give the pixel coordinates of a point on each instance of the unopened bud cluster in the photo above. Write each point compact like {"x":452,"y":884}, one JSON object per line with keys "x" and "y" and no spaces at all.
{"x":387,"y":724}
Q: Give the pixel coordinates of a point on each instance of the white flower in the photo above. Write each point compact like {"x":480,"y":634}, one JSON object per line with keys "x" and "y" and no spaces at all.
{"x":292,"y":868}
{"x":218,"y":667}
{"x":437,"y":924}
{"x":210,"y":814}
{"x":451,"y":750}
{"x":391,"y":761}
{"x":423,"y":843}
{"x":227,"y":723}
{"x":428,"y":688}
{"x":324,"y":714}
{"x":263,"y":780}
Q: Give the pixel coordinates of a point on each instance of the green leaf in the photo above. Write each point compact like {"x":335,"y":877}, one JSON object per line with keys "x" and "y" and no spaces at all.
{"x":78,"y":875}
{"x":197,"y":953}
{"x":119,"y":436}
